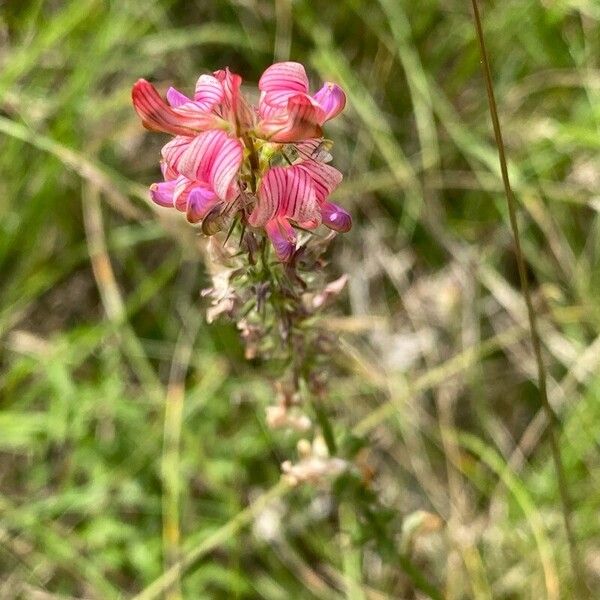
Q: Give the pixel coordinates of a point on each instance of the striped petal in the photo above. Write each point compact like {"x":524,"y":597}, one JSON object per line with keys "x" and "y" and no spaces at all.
{"x":325,"y":177}
{"x":284,"y":77}
{"x":209,"y":92}
{"x":183,"y":187}
{"x":283,"y":238}
{"x":235,"y":106}
{"x":335,"y":217}
{"x":301,"y":120}
{"x":157,"y":115}
{"x":230,"y":84}
{"x":213,"y":158}
{"x":315,"y":149}
{"x":270,"y":193}
{"x":300,"y":201}
{"x":162,"y":193}
{"x":167,"y":171}
{"x":285,"y":192}
{"x":172,"y":152}
{"x":278,"y":84}
{"x":332,"y":99}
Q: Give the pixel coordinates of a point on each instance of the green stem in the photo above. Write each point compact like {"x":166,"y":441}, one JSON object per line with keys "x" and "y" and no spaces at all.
{"x":578,"y":573}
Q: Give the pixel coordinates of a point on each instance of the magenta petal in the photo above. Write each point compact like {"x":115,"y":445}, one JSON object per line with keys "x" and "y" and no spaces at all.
{"x":335,"y":217}
{"x":155,"y":113}
{"x":162,"y":193}
{"x":332,"y":99}
{"x":200,"y":201}
{"x":175,"y":98}
{"x":283,"y":238}
{"x":231,"y":84}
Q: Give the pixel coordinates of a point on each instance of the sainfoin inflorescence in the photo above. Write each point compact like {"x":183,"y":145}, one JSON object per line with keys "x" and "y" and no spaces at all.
{"x":266,"y":165}
{"x":255,"y":178}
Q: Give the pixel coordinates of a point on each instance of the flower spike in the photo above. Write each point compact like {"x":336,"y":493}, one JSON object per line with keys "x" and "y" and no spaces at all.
{"x":227,"y":158}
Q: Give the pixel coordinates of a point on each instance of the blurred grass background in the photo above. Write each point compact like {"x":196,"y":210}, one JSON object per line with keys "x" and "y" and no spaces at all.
{"x":101,"y":319}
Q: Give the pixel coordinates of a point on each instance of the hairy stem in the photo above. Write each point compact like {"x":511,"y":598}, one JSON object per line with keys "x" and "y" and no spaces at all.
{"x":578,"y":574}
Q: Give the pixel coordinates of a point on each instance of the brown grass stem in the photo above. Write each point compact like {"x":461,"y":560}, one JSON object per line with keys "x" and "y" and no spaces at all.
{"x":579,"y":585}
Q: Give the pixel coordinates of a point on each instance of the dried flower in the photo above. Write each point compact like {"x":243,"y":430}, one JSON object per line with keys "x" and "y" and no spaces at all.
{"x":281,"y":416}
{"x":315,"y":464}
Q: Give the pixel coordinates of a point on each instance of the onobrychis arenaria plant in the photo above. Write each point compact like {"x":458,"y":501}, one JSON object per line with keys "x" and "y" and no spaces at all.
{"x":266,"y":165}
{"x":263,"y":170}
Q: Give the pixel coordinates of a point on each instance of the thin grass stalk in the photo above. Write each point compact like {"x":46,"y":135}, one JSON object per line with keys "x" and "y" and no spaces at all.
{"x":171,"y":459}
{"x":579,"y":585}
{"x":171,"y":532}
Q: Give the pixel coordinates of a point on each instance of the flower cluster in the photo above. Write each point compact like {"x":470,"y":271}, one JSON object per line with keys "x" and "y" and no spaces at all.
{"x":265,"y":164}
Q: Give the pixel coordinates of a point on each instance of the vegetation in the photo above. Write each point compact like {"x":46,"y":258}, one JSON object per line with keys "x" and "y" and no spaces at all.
{"x":435,"y":387}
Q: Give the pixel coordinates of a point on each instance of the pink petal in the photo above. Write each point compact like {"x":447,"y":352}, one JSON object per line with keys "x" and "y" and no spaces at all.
{"x":209,"y":92}
{"x":162,"y":193}
{"x":283,"y":238}
{"x":285,"y":192}
{"x":332,"y":99}
{"x":335,"y":217}
{"x":200,"y":200}
{"x":325,"y":177}
{"x":274,"y":102}
{"x":284,"y":76}
{"x":213,"y":158}
{"x":270,"y":194}
{"x":315,"y":149}
{"x":175,"y":98}
{"x":172,"y":152}
{"x":300,"y":121}
{"x":168,"y":172}
{"x":183,"y":187}
{"x":236,"y":109}
{"x":300,"y":201}
{"x":231,"y":84}
{"x":157,"y":115}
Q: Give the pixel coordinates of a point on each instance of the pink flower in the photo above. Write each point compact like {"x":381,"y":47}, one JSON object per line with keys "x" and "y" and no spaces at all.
{"x":288,"y":113}
{"x":297,"y":193}
{"x":199,"y":173}
{"x":224,"y":150}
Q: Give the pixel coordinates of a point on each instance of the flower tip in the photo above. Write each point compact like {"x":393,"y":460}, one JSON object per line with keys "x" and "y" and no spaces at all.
{"x":199,"y":203}
{"x":282,"y":237}
{"x":138,"y":87}
{"x":332,"y":100}
{"x":336,"y":218}
{"x":162,"y":193}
